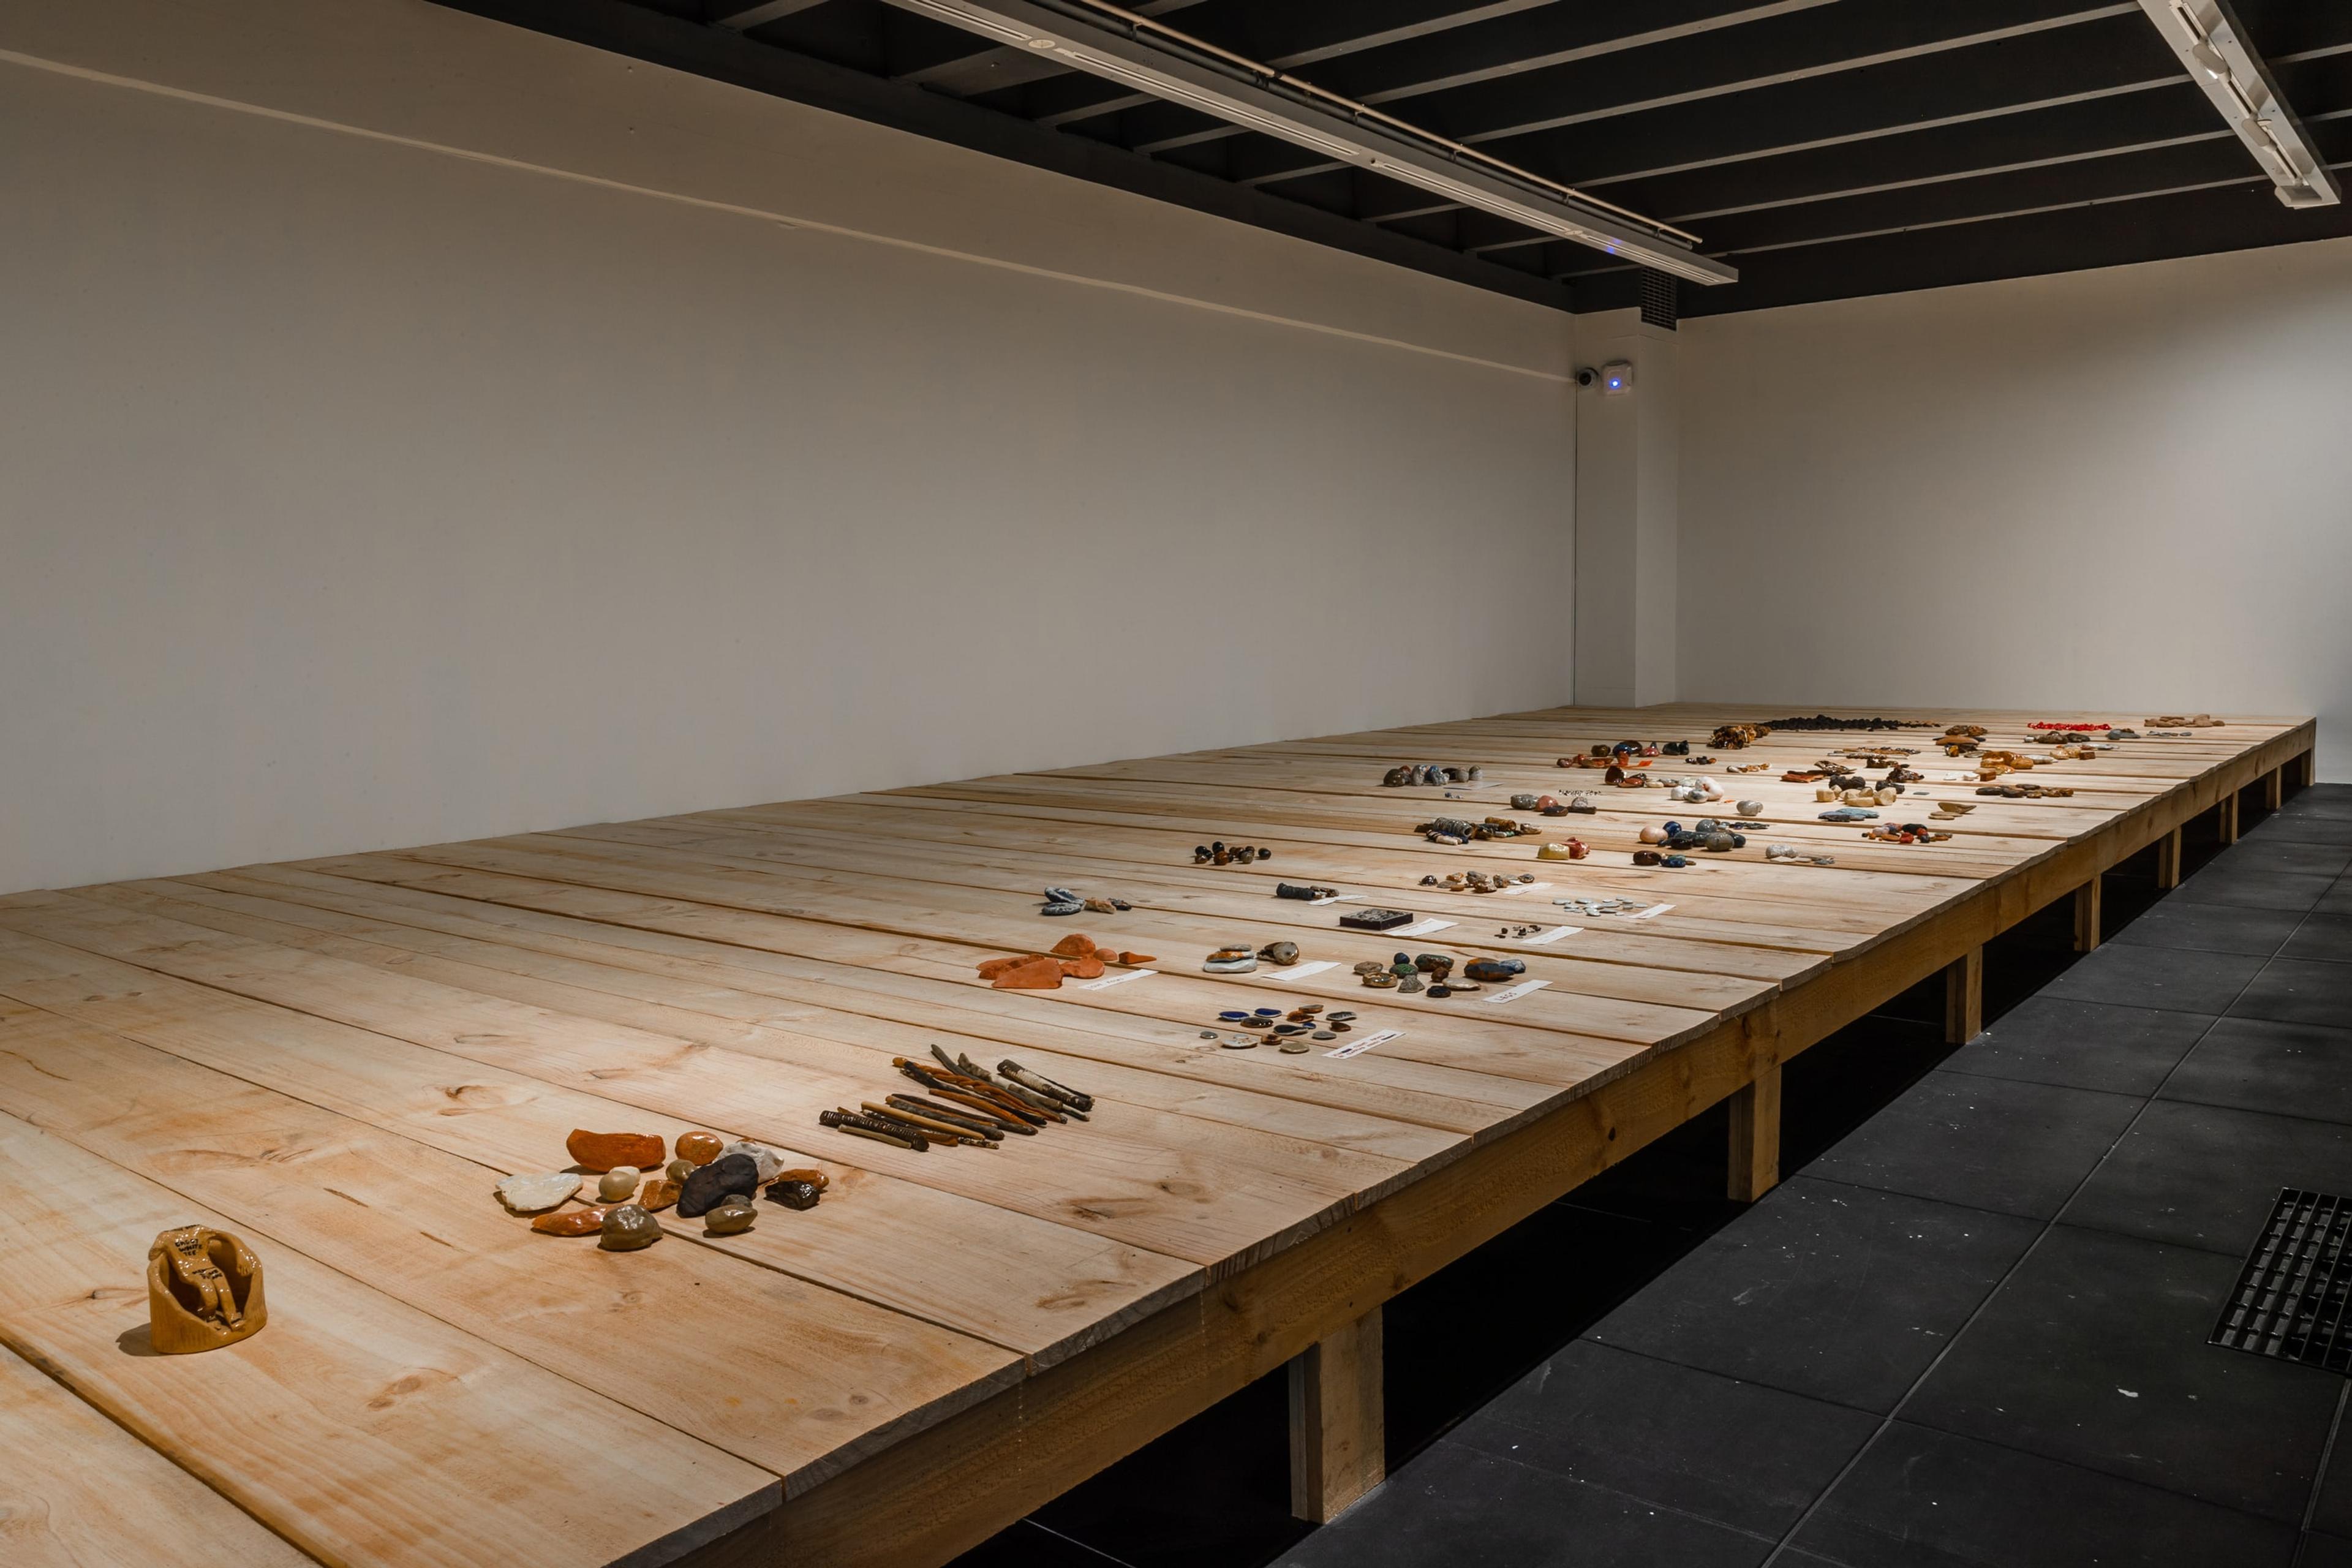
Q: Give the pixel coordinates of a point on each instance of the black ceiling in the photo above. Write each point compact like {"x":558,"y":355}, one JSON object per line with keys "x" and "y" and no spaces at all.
{"x":1826,"y":148}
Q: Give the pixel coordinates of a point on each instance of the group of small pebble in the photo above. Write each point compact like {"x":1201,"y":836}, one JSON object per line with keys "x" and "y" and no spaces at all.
{"x":710,"y":1180}
{"x":1240,"y":957}
{"x":1222,"y":854}
{"x":1413,"y":974}
{"x":1062,"y":901}
{"x":1477,"y":881}
{"x":1423,"y":773}
{"x":1292,"y":1032}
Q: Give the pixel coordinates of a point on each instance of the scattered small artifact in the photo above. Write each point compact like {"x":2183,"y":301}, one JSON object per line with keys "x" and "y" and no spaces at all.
{"x":1309,"y":892}
{"x":1220,"y":854}
{"x":1907,"y":833}
{"x":1823,"y":721}
{"x":700,"y":1192}
{"x":793,"y":1193}
{"x":1230,"y":959}
{"x":204,"y":1290}
{"x":1494,"y":968}
{"x":1413,"y":773}
{"x":1377,"y":919}
{"x":1062,"y":901}
{"x":765,"y":1160}
{"x":2181,"y":721}
{"x":700,"y":1148}
{"x":731,"y":1217}
{"x":600,"y":1152}
{"x":1785,"y":853}
{"x":1281,"y":954}
{"x":1573,"y":849}
{"x":658,"y":1194}
{"x":618,"y":1185}
{"x":1751,"y":808}
{"x":537,"y":1193}
{"x":588,"y":1221}
{"x":628,"y":1228}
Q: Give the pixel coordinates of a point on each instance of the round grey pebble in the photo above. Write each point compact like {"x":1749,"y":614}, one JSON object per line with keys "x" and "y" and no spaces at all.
{"x":1241,"y":1043}
{"x":1293,"y":1048}
{"x":1324,"y":1035}
{"x":1208,"y":1034}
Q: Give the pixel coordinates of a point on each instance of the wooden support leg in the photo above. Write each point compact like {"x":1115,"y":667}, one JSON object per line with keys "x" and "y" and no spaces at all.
{"x":2225,"y":814}
{"x":1755,"y":1138}
{"x":2274,"y":789}
{"x":2087,"y":916}
{"x":2168,"y":860}
{"x":1337,"y":1451}
{"x":2306,"y":768}
{"x":1963,"y":997}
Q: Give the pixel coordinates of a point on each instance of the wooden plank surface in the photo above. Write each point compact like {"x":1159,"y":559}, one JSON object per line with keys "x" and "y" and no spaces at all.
{"x":340,"y":1056}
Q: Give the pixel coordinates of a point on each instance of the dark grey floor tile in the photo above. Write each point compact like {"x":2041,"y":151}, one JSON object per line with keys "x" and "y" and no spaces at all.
{"x":2252,"y":888}
{"x":2094,"y":1353}
{"x":2305,"y":850}
{"x":2210,"y":928}
{"x":2298,"y":991}
{"x":2331,"y":1512}
{"x":2320,"y":800}
{"x":2324,"y":937}
{"x":2321,"y":1552}
{"x":1833,"y":1291}
{"x":1671,"y":1435}
{"x":2169,"y":978}
{"x":2254,"y":1064}
{"x":1924,"y":1499}
{"x":2337,"y":900}
{"x":1452,"y":1504}
{"x":2082,"y":1044}
{"x":1989,"y":1142}
{"x":2206,"y":1175}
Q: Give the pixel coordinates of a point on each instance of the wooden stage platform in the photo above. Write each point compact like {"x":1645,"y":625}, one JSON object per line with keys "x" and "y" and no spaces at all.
{"x":337,"y":1058}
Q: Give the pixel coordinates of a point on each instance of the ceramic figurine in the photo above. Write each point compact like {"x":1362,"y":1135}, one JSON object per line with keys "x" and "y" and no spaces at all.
{"x":204,"y":1290}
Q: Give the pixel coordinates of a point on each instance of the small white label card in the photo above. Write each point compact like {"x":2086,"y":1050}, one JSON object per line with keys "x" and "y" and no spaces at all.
{"x":1546,"y":937}
{"x":1525,"y":887}
{"x":1301,"y":970}
{"x":1513,"y":992}
{"x":1653,"y":912}
{"x":1358,"y":1047}
{"x":1418,"y":928}
{"x":1108,"y":980}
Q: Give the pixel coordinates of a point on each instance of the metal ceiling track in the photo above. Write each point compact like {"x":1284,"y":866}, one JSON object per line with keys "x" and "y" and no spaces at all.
{"x":2222,"y":60}
{"x":1133,"y":50}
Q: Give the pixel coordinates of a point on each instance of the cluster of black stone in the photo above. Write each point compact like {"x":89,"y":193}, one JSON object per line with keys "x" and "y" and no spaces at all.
{"x":1221,"y":854}
{"x":1823,"y":721}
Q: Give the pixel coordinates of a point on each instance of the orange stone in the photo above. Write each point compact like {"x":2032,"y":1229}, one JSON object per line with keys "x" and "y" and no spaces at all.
{"x":816,"y":1179}
{"x":1107,"y":955}
{"x":700,"y":1147}
{"x":1137,"y":958}
{"x":1086,"y":968}
{"x":1031,"y":974}
{"x":602,"y":1150}
{"x":993,"y":967}
{"x":571,"y":1222}
{"x":1075,"y":946}
{"x":656,"y":1196}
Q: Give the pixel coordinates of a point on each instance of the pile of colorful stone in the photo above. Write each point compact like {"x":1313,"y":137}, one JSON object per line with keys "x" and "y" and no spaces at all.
{"x":1062,"y":901}
{"x":1477,"y":881}
{"x":1433,"y":973}
{"x":1462,"y":831}
{"x":1545,"y":805}
{"x":1221,"y":854}
{"x":1293,"y":1032}
{"x":710,"y":1180}
{"x":1430,"y":773}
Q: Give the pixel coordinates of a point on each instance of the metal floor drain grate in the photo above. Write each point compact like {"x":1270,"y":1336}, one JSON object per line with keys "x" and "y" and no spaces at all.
{"x":2290,"y":1303}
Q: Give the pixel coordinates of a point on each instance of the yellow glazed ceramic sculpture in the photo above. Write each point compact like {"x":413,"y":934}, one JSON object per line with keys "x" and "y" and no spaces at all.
{"x":204,"y":1290}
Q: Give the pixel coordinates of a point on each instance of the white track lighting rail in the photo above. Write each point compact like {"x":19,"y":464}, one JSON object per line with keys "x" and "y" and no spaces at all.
{"x":2205,"y":34}
{"x":1103,"y":40}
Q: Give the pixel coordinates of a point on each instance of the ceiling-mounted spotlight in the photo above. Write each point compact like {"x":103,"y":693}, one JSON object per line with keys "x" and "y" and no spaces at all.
{"x":2212,"y":44}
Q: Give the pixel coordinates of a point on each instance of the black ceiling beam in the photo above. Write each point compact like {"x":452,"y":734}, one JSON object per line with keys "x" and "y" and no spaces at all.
{"x":993,"y":68}
{"x":736,"y":58}
{"x":1516,"y":118}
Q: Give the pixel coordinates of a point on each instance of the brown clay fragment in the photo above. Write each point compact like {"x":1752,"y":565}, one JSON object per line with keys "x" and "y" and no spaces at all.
{"x":1030,"y":975}
{"x":589,"y":1221}
{"x":1086,"y":968}
{"x":1134,"y":958}
{"x":1074,"y":945}
{"x":601,"y":1151}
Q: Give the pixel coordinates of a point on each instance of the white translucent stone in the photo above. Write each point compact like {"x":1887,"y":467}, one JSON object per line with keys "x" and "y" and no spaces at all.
{"x":539,"y":1193}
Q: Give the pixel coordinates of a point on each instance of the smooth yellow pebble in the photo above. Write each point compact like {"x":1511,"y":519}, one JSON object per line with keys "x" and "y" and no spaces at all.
{"x":618,"y":1183}
{"x":679,"y":1170}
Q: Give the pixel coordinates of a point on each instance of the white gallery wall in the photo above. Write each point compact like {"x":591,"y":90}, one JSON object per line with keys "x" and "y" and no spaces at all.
{"x":2124,"y":488}
{"x":417,"y":428}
